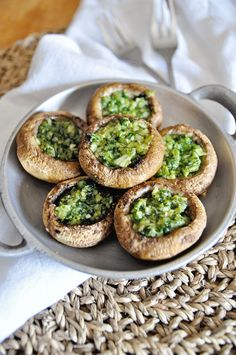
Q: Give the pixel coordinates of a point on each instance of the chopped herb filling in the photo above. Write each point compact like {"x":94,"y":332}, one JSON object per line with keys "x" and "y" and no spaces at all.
{"x":183,"y":157}
{"x":59,"y":138}
{"x":158,"y":213}
{"x":85,"y":203}
{"x":121,"y":142}
{"x":125,"y":103}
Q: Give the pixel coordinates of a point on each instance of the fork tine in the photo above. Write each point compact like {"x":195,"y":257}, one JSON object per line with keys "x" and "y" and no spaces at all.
{"x":173,"y":24}
{"x":114,"y":37}
{"x":163,"y":32}
{"x":154,"y":27}
{"x":159,"y":18}
{"x":104,"y":23}
{"x":164,"y":18}
{"x":122,"y":30}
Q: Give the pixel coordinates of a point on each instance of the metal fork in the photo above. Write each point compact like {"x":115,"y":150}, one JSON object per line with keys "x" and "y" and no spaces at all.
{"x":163,"y":32}
{"x":118,"y":38}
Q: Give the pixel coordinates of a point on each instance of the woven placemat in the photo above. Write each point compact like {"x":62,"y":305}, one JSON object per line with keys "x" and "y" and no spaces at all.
{"x":189,"y":311}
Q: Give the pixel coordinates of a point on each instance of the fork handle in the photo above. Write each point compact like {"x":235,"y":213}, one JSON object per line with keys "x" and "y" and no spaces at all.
{"x":155,"y":74}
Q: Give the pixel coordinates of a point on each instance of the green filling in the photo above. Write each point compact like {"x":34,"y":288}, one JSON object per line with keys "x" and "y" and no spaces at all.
{"x":159,"y":213}
{"x":85,"y":203}
{"x":59,"y":138}
{"x":123,"y":102}
{"x":121,"y":142}
{"x":183,"y":157}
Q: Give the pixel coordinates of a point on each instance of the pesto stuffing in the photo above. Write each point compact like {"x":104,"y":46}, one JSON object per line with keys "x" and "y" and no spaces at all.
{"x":158,"y":213}
{"x":183,"y":157}
{"x":124,"y":102}
{"x":85,"y":203}
{"x":59,"y":138}
{"x":121,"y":142}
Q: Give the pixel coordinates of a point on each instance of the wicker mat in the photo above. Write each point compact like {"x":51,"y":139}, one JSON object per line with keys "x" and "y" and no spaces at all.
{"x":189,"y":311}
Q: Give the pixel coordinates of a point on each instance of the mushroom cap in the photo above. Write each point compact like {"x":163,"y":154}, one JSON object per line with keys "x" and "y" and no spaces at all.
{"x":34,"y":160}
{"x":78,"y":236}
{"x":121,"y":178}
{"x":94,"y":111}
{"x":166,"y":246}
{"x":199,"y":182}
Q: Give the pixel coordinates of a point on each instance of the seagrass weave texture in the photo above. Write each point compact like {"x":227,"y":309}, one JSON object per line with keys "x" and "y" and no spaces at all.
{"x":189,"y":311}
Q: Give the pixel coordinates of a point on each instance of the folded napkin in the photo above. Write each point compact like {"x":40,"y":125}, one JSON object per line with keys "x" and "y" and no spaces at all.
{"x":206,"y":54}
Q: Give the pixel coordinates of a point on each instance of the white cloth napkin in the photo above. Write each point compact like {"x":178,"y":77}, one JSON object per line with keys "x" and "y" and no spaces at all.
{"x":206,"y":54}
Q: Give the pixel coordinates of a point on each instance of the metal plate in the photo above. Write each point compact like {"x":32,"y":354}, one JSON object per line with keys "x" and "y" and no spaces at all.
{"x":24,"y":195}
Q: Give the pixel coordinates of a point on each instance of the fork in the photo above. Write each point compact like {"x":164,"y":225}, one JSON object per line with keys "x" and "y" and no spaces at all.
{"x":118,"y":38}
{"x":163,"y":32}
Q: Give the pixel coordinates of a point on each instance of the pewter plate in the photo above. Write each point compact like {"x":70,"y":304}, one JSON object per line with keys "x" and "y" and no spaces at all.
{"x":23,"y":195}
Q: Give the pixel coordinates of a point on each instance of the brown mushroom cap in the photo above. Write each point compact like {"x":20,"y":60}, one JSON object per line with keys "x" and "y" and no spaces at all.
{"x":94,"y":110}
{"x":121,"y":178}
{"x":199,"y":182}
{"x":34,"y":160}
{"x":168,"y":245}
{"x":78,"y":236}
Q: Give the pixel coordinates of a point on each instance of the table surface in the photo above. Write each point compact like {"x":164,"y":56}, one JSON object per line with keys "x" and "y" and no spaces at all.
{"x":18,"y":19}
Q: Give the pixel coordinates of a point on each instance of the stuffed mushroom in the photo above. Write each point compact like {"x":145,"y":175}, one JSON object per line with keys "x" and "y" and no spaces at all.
{"x":126,"y":99}
{"x":78,"y":212}
{"x":121,"y":151}
{"x":190,"y":160}
{"x":48,"y":143}
{"x":155,"y":220}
